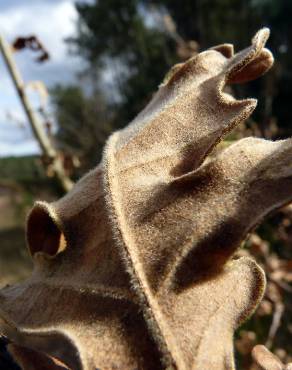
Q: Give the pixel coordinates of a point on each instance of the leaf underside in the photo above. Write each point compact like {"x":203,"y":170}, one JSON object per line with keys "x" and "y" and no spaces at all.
{"x":134,"y":267}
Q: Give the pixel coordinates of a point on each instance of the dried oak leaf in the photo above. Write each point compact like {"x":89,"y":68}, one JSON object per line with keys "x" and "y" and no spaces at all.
{"x":133,"y":267}
{"x":266,"y":360}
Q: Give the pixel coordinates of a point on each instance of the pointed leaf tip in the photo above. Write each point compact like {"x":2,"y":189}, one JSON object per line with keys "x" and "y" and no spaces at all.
{"x":251,"y":62}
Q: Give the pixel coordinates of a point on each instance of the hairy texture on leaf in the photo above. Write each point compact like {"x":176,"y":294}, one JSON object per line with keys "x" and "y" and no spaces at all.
{"x":134,"y":267}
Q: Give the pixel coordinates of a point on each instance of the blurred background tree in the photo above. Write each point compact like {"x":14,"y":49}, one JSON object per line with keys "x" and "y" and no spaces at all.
{"x":78,"y":133}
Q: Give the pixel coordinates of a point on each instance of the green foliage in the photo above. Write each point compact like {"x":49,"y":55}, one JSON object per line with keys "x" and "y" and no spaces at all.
{"x":115,"y":33}
{"x":83,"y":123}
{"x":26,"y":176}
{"x":21,"y":169}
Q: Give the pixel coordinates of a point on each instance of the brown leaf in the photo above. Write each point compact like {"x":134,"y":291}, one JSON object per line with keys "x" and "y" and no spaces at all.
{"x":34,"y":44}
{"x":133,"y":267}
{"x":265,"y":359}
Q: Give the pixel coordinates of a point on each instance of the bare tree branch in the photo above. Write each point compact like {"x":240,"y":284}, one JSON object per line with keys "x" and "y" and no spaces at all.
{"x":39,"y":132}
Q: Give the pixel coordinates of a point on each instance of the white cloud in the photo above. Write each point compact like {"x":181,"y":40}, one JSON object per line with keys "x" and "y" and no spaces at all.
{"x":27,"y":147}
{"x":51,"y":21}
{"x":16,"y":139}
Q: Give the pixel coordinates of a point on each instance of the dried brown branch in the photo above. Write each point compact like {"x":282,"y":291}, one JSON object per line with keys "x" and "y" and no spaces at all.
{"x":37,"y":128}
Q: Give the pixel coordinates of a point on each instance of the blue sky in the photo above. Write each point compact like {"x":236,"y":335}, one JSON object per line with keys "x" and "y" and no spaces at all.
{"x":52,"y":21}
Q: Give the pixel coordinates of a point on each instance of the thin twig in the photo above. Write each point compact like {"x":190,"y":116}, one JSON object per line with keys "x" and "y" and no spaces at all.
{"x":276,"y":322}
{"x":281,"y":284}
{"x":38,"y":130}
